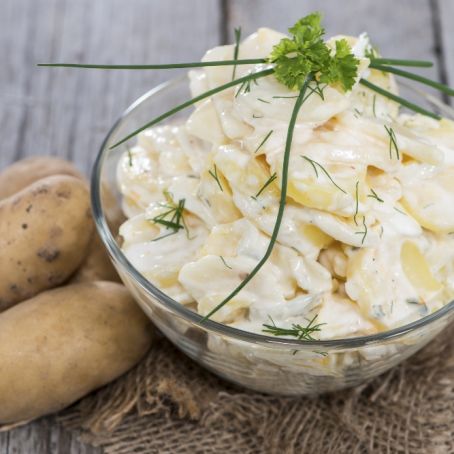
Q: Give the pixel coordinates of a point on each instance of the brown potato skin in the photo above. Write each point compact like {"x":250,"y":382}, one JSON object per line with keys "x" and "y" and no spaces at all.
{"x":64,"y":343}
{"x":44,"y":233}
{"x":26,"y":171}
{"x":97,"y":265}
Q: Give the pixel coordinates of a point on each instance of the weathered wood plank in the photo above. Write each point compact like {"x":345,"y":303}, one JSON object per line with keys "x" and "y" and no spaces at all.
{"x":401,"y":29}
{"x":43,"y":437}
{"x":4,"y":440}
{"x":446,"y":12}
{"x":68,"y":112}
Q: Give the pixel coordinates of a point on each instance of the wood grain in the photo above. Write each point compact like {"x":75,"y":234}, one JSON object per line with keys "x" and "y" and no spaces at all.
{"x":67,"y":112}
{"x":446,"y":11}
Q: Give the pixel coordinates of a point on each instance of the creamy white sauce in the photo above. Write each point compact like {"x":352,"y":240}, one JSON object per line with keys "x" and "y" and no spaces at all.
{"x":366,"y":241}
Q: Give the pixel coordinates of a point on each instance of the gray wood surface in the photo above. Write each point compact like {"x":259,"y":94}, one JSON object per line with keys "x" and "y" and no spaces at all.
{"x":446,"y":16}
{"x":67,"y":112}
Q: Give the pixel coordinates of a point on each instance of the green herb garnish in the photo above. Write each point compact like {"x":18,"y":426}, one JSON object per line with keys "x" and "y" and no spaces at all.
{"x":399,"y":100}
{"x":172,"y":219}
{"x":214,"y":174}
{"x":297,"y":330}
{"x":318,"y":89}
{"x":363,"y":232}
{"x":129,"y":157}
{"x":416,"y":77}
{"x":285,"y":97}
{"x":316,"y":164}
{"x":224,"y":262}
{"x":357,"y":202}
{"x":374,"y":195}
{"x":263,"y":141}
{"x":400,"y":211}
{"x":392,"y":142}
{"x":267,"y":183}
{"x":306,"y":53}
{"x":374,"y":101}
{"x":237,"y":32}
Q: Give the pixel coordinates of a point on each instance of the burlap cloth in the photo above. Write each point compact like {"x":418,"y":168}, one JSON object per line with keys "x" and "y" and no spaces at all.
{"x":168,"y":404}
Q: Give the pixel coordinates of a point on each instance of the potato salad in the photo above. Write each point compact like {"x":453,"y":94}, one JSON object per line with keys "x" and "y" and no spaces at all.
{"x":366,"y":242}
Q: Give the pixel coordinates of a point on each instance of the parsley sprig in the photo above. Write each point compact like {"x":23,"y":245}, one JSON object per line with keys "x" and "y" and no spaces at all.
{"x":305,"y":52}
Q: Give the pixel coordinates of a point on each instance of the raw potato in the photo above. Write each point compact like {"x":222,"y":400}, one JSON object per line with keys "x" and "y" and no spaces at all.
{"x":97,"y":265}
{"x":64,"y":343}
{"x":44,"y":233}
{"x":25,"y":172}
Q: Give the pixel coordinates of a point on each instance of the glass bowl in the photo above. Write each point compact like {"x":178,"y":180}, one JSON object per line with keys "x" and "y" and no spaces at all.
{"x":262,"y":363}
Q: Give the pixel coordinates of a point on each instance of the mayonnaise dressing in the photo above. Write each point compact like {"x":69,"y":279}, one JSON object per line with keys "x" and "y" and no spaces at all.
{"x":366,"y":243}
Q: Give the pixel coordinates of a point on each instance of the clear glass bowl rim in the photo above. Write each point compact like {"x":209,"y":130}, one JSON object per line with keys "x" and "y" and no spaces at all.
{"x":193,"y":317}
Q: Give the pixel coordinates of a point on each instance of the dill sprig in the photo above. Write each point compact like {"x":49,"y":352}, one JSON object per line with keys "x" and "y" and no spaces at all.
{"x":375,"y":196}
{"x":215,"y":175}
{"x":363,"y":232}
{"x":173,"y":218}
{"x":264,"y":141}
{"x":356,"y":202}
{"x":245,"y":87}
{"x":236,"y":50}
{"x":400,"y":211}
{"x":392,"y":142}
{"x":267,"y":183}
{"x":282,"y":202}
{"x":129,"y":157}
{"x":303,"y":333}
{"x":318,"y":89}
{"x":374,"y":102}
{"x":263,"y":100}
{"x":225,"y":263}
{"x":316,"y":164}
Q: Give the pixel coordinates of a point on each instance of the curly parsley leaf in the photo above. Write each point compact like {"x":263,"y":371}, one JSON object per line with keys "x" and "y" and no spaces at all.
{"x":343,"y":67}
{"x":306,"y":53}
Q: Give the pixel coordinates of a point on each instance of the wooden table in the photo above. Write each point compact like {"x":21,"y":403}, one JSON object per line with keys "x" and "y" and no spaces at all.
{"x":68,"y":112}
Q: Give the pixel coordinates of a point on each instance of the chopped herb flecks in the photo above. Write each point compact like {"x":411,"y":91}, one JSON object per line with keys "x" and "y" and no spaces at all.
{"x":364,"y":231}
{"x":263,"y":141}
{"x":236,"y":51}
{"x":267,"y":183}
{"x":392,"y":142}
{"x":375,"y":196}
{"x":215,"y":175}
{"x":315,"y":164}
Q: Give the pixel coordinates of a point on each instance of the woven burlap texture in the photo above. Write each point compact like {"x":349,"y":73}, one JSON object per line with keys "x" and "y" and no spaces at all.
{"x":168,"y":404}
